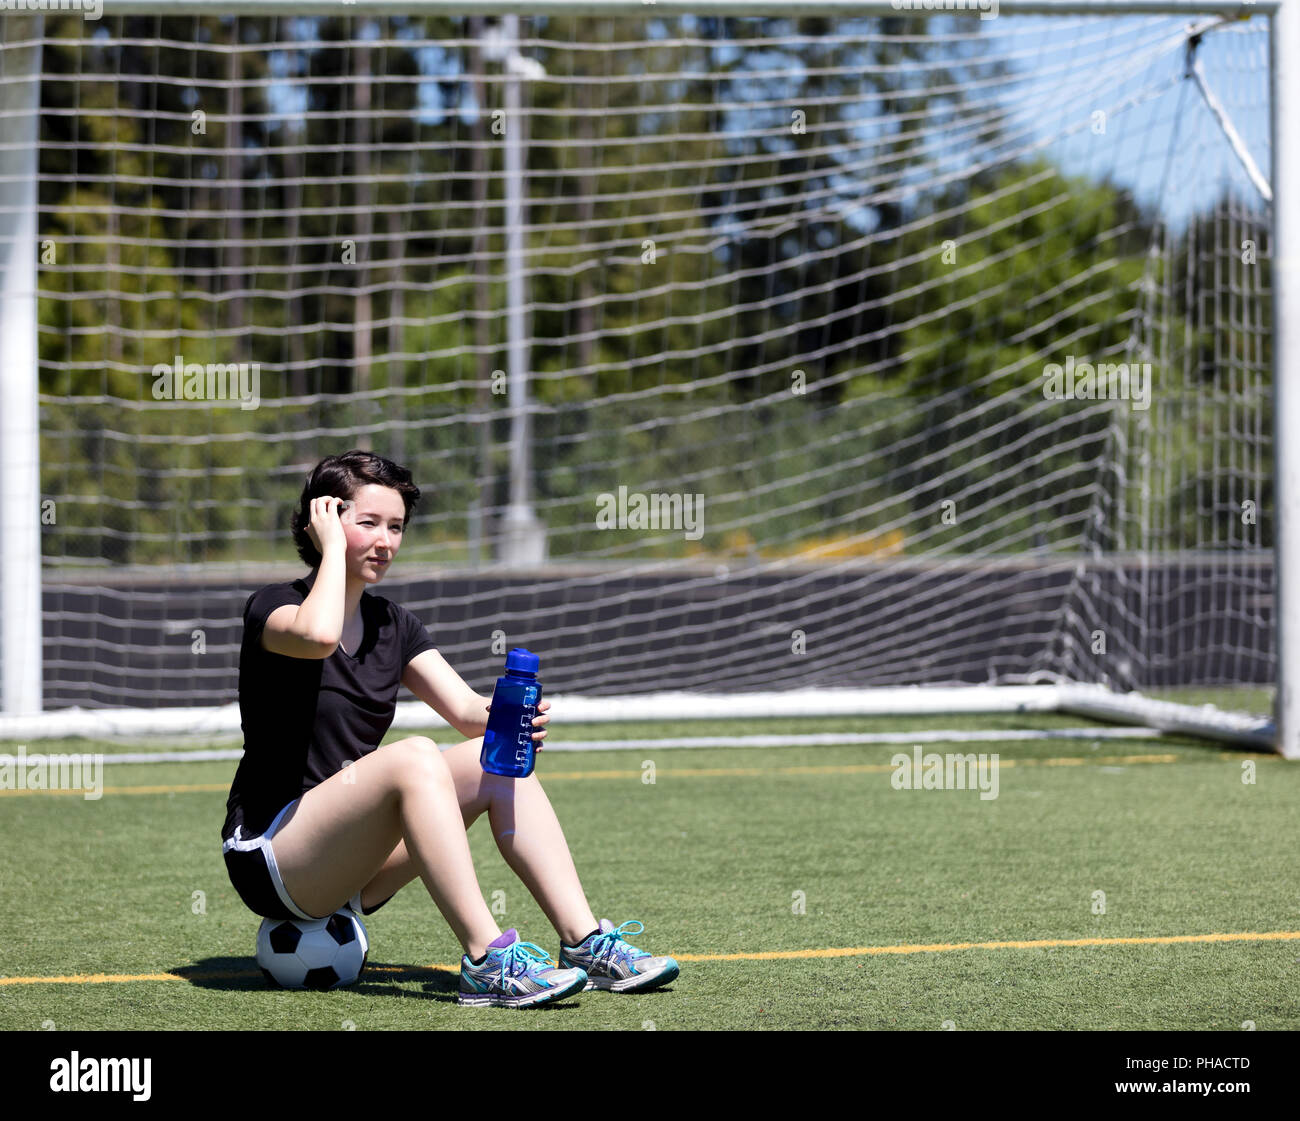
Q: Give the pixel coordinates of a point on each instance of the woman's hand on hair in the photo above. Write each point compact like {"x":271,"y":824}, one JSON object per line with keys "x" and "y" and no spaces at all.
{"x":326,"y":526}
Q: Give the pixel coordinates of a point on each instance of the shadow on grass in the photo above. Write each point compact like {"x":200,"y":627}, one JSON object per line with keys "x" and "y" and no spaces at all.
{"x":241,"y":974}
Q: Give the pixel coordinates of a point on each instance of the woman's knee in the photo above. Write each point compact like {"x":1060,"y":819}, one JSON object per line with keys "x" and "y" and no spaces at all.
{"x":417,"y":758}
{"x":411,"y":743}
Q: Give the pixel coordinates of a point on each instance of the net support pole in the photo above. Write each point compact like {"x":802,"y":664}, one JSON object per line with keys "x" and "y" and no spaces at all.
{"x":20,"y":496}
{"x":523,"y":538}
{"x":1284,"y":49}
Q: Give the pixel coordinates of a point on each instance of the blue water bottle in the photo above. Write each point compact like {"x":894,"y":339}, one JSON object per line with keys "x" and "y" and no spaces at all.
{"x":508,"y":742}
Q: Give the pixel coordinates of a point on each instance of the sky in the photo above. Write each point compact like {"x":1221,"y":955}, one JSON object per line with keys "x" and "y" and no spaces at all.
{"x":1158,"y":137}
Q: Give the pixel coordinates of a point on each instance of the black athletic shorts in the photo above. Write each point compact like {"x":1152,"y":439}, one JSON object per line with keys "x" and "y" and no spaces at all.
{"x":250,"y":863}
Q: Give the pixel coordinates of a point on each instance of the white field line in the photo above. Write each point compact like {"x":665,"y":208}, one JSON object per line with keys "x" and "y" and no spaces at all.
{"x":819,"y":739}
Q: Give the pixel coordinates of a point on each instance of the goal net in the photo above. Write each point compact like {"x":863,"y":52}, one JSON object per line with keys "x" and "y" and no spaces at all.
{"x":744,"y":359}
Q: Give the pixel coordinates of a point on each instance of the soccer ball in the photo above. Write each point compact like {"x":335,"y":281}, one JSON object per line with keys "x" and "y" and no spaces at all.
{"x":313,"y":953}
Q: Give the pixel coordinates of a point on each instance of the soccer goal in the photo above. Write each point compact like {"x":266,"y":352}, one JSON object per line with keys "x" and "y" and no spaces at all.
{"x":883,"y":357}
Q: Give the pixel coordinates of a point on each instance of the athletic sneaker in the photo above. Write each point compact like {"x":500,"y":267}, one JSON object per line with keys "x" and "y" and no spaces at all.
{"x":614,"y":964}
{"x":516,"y":974}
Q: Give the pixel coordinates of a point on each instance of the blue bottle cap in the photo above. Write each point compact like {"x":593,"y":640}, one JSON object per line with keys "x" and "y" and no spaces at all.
{"x":520,"y":660}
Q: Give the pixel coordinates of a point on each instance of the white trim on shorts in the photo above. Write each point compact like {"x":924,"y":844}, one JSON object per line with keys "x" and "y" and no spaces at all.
{"x":247,"y":844}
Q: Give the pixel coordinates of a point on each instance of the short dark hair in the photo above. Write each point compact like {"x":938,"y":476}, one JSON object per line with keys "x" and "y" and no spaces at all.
{"x":342,"y":476}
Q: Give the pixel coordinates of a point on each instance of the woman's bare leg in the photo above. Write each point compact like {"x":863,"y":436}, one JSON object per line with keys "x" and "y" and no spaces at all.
{"x":398,"y":871}
{"x":527,"y":833}
{"x":343,"y":832}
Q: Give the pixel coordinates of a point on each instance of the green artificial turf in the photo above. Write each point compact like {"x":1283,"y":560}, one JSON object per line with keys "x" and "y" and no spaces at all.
{"x":721,"y":863}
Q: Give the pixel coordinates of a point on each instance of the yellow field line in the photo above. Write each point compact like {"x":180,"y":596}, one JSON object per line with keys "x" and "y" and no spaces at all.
{"x":762,"y":955}
{"x":206,"y":787}
{"x":690,"y":772}
{"x":91,"y":979}
{"x":1042,"y":943}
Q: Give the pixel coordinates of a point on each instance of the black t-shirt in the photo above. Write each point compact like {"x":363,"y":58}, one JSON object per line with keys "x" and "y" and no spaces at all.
{"x":304,"y":718}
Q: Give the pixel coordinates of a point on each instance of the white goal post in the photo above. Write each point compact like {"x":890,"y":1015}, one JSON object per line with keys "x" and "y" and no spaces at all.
{"x":1126,"y":494}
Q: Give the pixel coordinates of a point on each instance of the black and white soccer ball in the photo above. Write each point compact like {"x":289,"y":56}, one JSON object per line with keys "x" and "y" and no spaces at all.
{"x":313,"y":953}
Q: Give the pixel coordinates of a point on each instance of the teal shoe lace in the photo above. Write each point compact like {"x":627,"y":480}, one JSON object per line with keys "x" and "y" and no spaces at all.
{"x":521,"y":957}
{"x":612,"y":942}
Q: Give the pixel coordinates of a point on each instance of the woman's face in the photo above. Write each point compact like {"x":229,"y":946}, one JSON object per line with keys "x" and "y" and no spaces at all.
{"x":373,"y":527}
